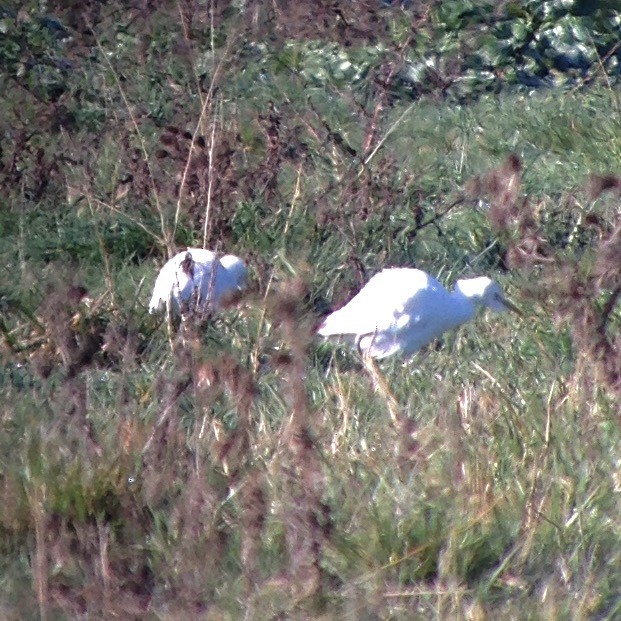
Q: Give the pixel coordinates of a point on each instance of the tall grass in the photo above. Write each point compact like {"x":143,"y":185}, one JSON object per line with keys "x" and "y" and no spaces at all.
{"x":242,"y":469}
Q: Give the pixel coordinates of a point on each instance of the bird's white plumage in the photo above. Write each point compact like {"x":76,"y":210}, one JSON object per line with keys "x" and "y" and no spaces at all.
{"x":403,"y":309}
{"x":190,"y":273}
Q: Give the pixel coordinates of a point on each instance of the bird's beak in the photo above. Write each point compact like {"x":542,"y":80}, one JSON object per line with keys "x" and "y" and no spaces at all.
{"x":509,"y":305}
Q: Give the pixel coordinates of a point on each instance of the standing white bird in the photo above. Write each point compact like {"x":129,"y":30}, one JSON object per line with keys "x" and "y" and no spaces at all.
{"x":189,"y":277}
{"x":401,"y":310}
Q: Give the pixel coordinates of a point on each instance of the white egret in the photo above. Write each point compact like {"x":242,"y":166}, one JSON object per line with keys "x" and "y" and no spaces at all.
{"x":401,"y":310}
{"x":189,"y":277}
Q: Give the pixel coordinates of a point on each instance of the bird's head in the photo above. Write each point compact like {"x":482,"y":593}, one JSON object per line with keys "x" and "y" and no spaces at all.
{"x":486,"y":292}
{"x":236,"y":269}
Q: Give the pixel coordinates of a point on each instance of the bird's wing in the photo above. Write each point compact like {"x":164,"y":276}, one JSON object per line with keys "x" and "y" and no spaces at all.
{"x":380,"y":304}
{"x":171,"y":280}
{"x":162,"y":287}
{"x":199,"y":255}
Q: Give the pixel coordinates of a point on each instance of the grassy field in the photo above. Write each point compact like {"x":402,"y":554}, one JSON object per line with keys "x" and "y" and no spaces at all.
{"x":241,"y":468}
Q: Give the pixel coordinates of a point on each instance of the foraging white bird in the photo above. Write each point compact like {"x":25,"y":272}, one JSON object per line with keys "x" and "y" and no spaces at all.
{"x":401,"y":310}
{"x":189,"y":277}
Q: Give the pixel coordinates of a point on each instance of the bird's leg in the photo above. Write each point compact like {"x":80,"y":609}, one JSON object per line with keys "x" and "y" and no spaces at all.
{"x":344,"y":408}
{"x":380,"y":384}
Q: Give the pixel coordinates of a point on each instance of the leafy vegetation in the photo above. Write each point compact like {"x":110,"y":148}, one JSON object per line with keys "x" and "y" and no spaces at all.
{"x":239,"y":467}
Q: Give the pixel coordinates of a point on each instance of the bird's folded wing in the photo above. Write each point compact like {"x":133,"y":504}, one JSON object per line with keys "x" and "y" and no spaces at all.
{"x":380,"y":304}
{"x":162,"y":288}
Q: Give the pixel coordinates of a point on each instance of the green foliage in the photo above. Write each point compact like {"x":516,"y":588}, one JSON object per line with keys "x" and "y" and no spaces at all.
{"x":237,"y":467}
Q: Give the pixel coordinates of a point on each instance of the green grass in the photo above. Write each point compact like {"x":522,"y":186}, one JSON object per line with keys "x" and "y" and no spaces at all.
{"x":245,"y":469}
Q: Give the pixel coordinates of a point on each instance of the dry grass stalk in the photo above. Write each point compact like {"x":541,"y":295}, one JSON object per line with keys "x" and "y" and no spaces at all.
{"x":306,"y":518}
{"x":40,"y":568}
{"x":583,"y":293}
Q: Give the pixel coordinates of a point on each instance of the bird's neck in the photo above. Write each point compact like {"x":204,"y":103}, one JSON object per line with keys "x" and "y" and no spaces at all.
{"x":464,"y":308}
